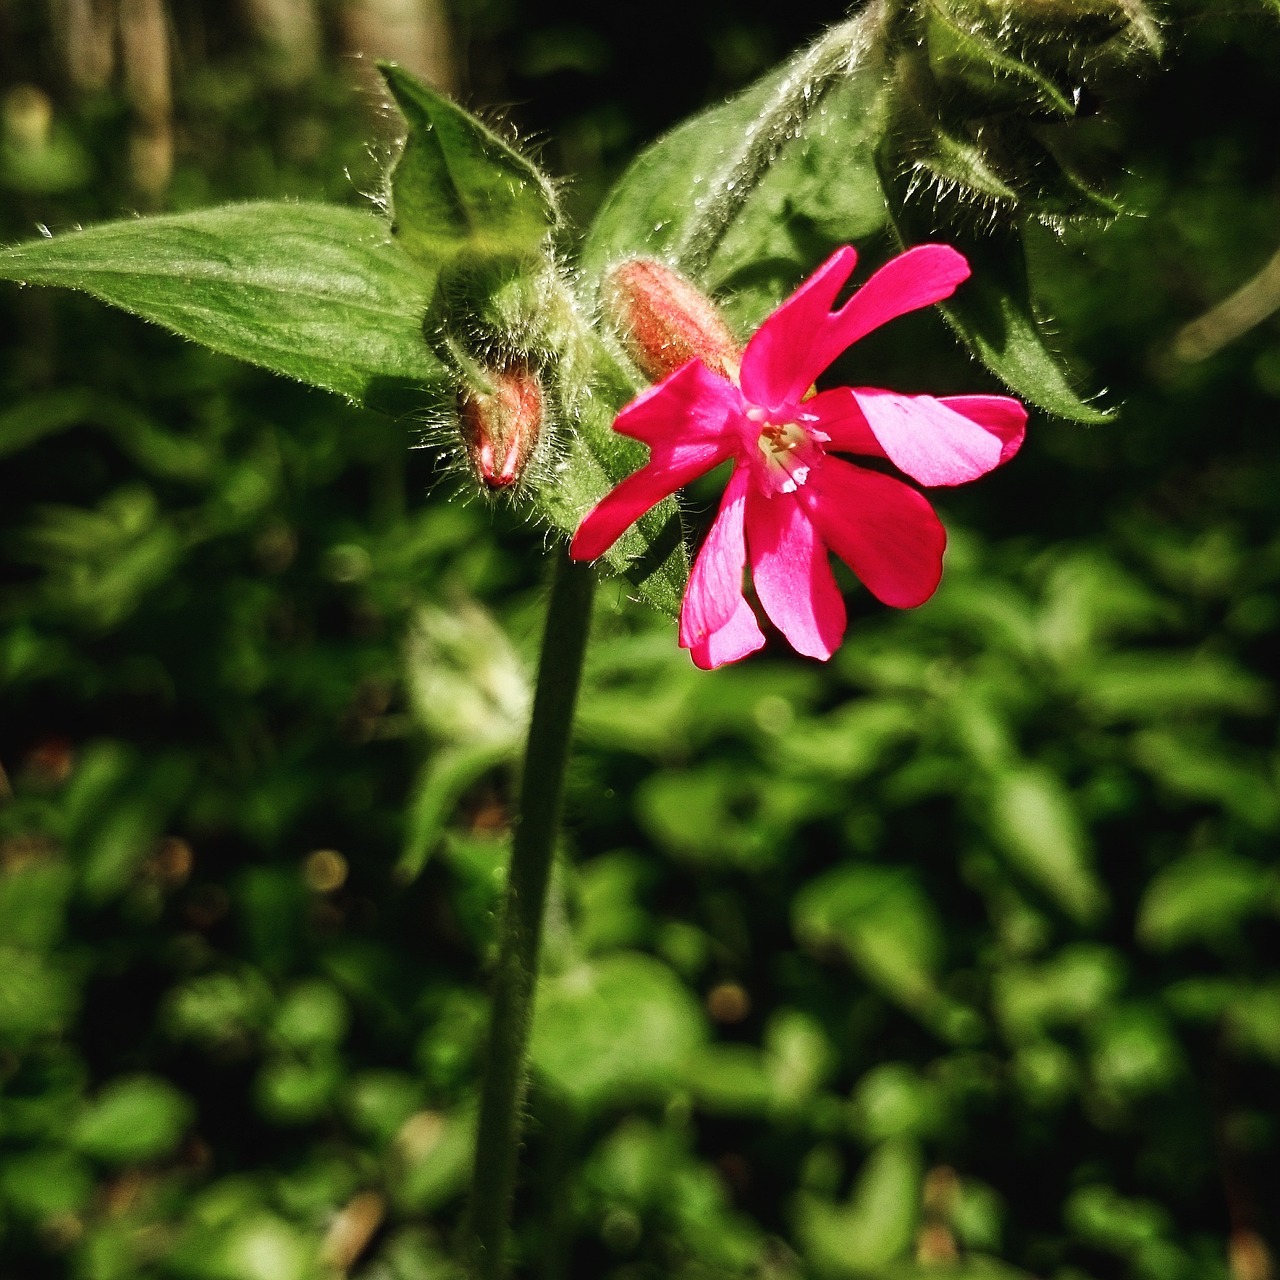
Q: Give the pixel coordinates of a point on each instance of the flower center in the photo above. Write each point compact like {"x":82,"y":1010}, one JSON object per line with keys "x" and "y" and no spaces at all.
{"x":788,"y":451}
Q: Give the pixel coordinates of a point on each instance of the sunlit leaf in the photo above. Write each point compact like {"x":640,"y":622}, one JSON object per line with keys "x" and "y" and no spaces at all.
{"x":133,"y":1119}
{"x":1038,"y":828}
{"x":877,"y":1224}
{"x":816,"y":187}
{"x":315,"y":292}
{"x":882,"y":920}
{"x":1203,"y":897}
{"x":457,"y":187}
{"x":618,"y":1027}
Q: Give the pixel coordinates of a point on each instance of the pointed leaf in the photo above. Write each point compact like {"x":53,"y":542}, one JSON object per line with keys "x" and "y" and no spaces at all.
{"x":315,"y":292}
{"x":1037,"y":826}
{"x":457,"y":187}
{"x":961,"y":52}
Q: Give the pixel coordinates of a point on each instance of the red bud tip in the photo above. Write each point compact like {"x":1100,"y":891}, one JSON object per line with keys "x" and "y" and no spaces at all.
{"x":501,"y":429}
{"x":664,"y":321}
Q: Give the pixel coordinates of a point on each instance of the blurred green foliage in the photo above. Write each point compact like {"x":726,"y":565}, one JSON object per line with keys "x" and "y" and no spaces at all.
{"x":956,"y":955}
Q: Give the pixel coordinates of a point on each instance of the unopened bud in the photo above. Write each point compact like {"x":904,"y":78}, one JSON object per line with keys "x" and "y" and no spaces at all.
{"x":664,"y":321}
{"x":501,"y":426}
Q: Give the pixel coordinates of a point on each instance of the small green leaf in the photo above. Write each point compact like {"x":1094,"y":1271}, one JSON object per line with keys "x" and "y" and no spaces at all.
{"x":134,"y":1119}
{"x":1087,"y":22}
{"x":876,"y":1226}
{"x":42,"y":1184}
{"x":1069,"y":989}
{"x":315,"y":292}
{"x":882,"y":919}
{"x":1163,"y":686}
{"x":992,"y":310}
{"x":457,"y":187}
{"x":1204,"y":897}
{"x":312,"y":1018}
{"x":895,"y":1101}
{"x":1036,"y":824}
{"x":619,"y":1027}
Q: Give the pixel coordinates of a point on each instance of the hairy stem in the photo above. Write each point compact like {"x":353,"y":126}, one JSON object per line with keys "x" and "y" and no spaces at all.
{"x":520,"y":933}
{"x":806,"y":81}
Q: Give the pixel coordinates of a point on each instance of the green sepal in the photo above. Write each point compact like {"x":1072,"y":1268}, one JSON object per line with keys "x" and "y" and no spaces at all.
{"x":315,"y":292}
{"x":651,"y":554}
{"x":968,"y":63}
{"x":992,"y":311}
{"x":459,"y":188}
{"x":1073,"y":24}
{"x":999,"y":168}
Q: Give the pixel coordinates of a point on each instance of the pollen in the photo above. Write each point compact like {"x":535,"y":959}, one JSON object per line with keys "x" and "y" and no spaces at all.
{"x":788,"y":452}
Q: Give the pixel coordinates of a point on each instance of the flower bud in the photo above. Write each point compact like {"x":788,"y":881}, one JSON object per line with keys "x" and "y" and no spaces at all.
{"x":664,"y":321}
{"x":501,"y":424}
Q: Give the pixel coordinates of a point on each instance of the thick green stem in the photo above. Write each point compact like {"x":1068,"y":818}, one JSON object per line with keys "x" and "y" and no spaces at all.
{"x":797,"y":95}
{"x":520,"y":935}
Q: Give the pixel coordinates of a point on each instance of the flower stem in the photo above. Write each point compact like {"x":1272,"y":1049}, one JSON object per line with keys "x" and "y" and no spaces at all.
{"x":520,"y":932}
{"x":795,"y":97}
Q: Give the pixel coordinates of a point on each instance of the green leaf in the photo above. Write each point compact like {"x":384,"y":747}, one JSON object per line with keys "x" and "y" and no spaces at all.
{"x":895,"y":1101}
{"x":1204,"y":897}
{"x":44,"y":1183}
{"x":1056,"y":24}
{"x":884,"y":922}
{"x":1035,"y":822}
{"x":315,"y":292}
{"x":814,"y":187}
{"x":619,"y":1027}
{"x":312,"y":1018}
{"x":878,"y":1223}
{"x":457,"y":187}
{"x":1070,"y":989}
{"x":992,"y":310}
{"x":1163,"y":686}
{"x":134,"y":1119}
{"x":37,"y":997}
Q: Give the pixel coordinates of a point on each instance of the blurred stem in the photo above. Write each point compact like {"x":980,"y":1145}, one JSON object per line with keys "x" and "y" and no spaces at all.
{"x":502,"y":1093}
{"x":810,"y":76}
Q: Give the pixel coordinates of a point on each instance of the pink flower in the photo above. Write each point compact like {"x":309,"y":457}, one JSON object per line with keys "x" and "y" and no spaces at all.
{"x":790,"y":500}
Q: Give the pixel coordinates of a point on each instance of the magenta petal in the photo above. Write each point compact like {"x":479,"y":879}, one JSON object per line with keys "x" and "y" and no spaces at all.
{"x":914,"y":279}
{"x":792,"y":574}
{"x":692,"y":401}
{"x":777,"y":367}
{"x":738,"y":637}
{"x":1003,"y":416}
{"x":669,"y":469}
{"x":884,"y":530}
{"x":930,"y":440}
{"x":714,"y":593}
{"x":841,"y":420}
